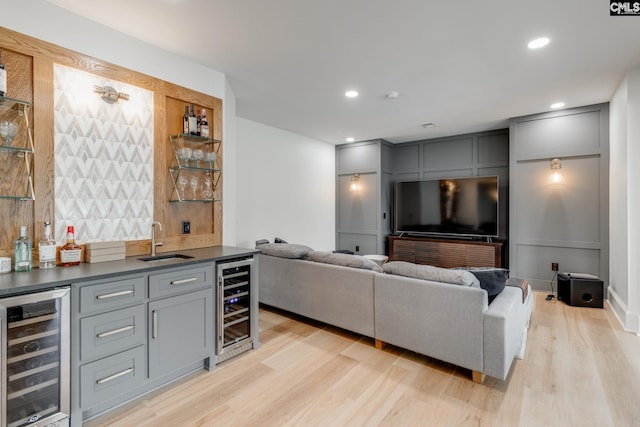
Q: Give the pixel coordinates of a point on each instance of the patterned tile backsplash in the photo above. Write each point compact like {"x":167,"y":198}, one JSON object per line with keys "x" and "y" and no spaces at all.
{"x":103,"y":159}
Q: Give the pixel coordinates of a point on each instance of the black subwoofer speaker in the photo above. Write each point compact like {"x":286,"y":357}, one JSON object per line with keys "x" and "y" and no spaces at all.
{"x":580,"y":291}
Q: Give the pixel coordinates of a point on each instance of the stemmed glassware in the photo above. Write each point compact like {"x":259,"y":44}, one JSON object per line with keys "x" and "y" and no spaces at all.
{"x":207,"y":193}
{"x":184,"y":155}
{"x":181,"y":183}
{"x":194,"y":183}
{"x":8,"y":131}
{"x":210,"y":158}
{"x":197,"y":155}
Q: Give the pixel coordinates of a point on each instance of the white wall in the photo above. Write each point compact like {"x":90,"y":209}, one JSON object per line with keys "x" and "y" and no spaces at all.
{"x":285,"y":187}
{"x":624,"y":202}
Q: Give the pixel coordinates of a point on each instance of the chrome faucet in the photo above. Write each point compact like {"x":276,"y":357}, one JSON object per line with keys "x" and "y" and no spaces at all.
{"x":154,"y":244}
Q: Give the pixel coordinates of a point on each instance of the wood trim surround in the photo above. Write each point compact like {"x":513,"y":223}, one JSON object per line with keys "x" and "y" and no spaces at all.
{"x":205,"y":217}
{"x":445,"y":253}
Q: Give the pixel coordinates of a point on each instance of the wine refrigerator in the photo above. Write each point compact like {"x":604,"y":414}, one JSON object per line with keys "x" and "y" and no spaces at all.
{"x":236,"y":307}
{"x":34,"y":336}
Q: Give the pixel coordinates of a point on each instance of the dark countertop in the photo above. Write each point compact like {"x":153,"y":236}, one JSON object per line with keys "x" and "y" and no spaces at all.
{"x":38,"y":280}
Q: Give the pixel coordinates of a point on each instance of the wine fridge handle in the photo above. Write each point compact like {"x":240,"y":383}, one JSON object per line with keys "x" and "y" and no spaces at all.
{"x":154,"y":324}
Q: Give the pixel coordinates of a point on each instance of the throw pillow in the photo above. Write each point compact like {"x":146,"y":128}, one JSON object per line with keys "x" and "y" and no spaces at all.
{"x":345,"y":260}
{"x":429,"y":272}
{"x":285,"y":250}
{"x":491,"y":279}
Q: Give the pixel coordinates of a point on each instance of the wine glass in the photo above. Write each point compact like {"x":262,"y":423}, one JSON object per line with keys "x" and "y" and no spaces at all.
{"x":210,"y":158}
{"x":8,"y":131}
{"x":181,"y":183}
{"x":184,"y":154}
{"x":197,"y":155}
{"x":194,"y":183}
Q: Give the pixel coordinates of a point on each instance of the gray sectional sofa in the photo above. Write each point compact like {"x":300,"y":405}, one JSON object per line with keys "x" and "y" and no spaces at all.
{"x":449,"y":322}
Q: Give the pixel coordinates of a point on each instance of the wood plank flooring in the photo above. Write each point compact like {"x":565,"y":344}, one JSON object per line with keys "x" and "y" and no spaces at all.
{"x":579,"y":369}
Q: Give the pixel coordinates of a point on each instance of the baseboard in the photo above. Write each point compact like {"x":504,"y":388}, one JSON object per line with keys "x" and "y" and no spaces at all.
{"x":629,"y":321}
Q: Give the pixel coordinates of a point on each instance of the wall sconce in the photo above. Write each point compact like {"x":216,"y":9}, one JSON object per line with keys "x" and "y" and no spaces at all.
{"x":355,"y":182}
{"x":556,"y":165}
{"x":109,"y":94}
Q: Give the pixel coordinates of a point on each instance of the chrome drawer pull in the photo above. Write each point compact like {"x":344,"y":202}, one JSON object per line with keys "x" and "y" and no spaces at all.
{"x":114,"y":376}
{"x":183,"y":281}
{"x":115,"y":331}
{"x":115,"y":294}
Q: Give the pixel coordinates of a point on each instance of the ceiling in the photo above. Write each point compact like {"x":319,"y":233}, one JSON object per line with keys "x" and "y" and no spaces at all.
{"x":464,"y":66}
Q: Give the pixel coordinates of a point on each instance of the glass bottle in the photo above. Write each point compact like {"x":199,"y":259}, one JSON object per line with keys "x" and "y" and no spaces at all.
{"x":185,"y":120}
{"x":204,"y":124}
{"x":193,"y":121}
{"x":3,"y":77}
{"x":22,"y":253}
{"x":71,"y":252}
{"x":47,"y":248}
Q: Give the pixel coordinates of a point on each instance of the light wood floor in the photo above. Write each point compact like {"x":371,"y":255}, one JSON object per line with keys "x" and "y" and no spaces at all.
{"x":579,"y":369}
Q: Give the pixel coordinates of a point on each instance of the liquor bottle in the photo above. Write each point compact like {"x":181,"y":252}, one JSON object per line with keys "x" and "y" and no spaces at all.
{"x":185,"y":120}
{"x":71,"y":252}
{"x":3,"y":77}
{"x":47,"y":248}
{"x":204,"y":125}
{"x":193,"y":122}
{"x":199,"y":122}
{"x":22,"y":253}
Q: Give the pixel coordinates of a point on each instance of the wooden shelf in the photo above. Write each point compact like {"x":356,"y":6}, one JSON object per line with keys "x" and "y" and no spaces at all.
{"x":445,"y":253}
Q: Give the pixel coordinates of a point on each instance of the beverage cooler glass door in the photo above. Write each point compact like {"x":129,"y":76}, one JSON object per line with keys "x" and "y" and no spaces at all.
{"x":234,"y":279}
{"x":35,"y":359}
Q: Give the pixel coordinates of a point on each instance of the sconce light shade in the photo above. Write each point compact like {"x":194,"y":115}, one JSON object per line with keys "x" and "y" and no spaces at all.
{"x":556,"y":165}
{"x":355,"y":183}
{"x":109,"y":94}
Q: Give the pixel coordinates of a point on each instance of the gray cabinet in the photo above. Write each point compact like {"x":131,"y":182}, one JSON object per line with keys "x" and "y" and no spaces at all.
{"x":108,"y":343}
{"x":180,"y":332}
{"x":134,"y":333}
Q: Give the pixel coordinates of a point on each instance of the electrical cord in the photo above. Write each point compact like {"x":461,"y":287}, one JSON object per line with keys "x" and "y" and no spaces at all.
{"x":551,"y":296}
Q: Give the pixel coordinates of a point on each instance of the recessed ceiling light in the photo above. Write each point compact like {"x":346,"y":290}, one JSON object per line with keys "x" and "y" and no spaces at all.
{"x":350,"y":139}
{"x":429,"y":125}
{"x":538,"y":43}
{"x":557,"y":105}
{"x":393,"y":95}
{"x":351,"y":93}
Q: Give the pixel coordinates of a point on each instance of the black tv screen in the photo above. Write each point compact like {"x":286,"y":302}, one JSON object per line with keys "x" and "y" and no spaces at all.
{"x":450,"y":206}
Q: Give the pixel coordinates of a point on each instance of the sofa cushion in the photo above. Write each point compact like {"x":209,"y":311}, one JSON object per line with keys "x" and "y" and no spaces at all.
{"x":429,"y":272}
{"x":284,"y":250}
{"x":345,"y":260}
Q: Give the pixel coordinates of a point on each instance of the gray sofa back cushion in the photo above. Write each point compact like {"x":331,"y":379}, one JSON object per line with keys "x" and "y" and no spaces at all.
{"x":285,"y":250}
{"x":345,"y":260}
{"x":429,"y":272}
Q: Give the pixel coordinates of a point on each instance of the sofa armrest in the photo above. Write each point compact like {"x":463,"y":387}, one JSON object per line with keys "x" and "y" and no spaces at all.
{"x":504,"y":325}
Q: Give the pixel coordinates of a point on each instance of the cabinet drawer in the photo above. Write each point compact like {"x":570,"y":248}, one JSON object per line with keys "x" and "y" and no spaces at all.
{"x":112,"y":294}
{"x":108,"y":378}
{"x":112,"y":332}
{"x":175,"y":282}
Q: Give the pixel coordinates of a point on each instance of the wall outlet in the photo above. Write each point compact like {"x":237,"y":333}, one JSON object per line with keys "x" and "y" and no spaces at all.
{"x":554,"y":266}
{"x":357,"y":248}
{"x":186,"y":227}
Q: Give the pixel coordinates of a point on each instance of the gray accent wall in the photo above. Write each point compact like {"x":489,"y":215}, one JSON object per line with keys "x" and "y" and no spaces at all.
{"x":363,"y":217}
{"x":564,"y":222}
{"x":477,"y":154}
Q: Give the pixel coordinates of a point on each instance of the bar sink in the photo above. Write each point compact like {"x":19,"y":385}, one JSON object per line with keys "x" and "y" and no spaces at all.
{"x":165,"y":257}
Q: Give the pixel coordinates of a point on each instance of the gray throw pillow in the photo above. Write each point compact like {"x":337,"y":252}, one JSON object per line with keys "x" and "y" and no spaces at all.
{"x":284,"y":250}
{"x":345,"y":260}
{"x":429,"y":272}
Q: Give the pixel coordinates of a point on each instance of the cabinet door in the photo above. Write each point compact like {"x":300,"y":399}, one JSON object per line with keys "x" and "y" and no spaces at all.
{"x":180,"y":332}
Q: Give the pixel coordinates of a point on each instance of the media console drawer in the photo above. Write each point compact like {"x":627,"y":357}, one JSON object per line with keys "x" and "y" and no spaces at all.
{"x":445,"y":253}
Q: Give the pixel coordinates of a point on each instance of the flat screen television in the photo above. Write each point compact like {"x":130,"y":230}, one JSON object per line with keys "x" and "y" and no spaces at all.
{"x":465,"y":207}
